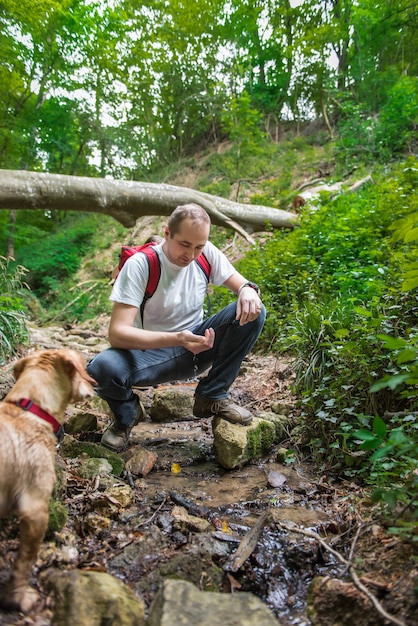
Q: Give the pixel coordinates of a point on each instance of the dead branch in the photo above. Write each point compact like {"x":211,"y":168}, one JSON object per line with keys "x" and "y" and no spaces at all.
{"x":247,"y":545}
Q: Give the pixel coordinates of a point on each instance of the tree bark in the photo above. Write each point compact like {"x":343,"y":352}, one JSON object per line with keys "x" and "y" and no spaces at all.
{"x":126,"y":201}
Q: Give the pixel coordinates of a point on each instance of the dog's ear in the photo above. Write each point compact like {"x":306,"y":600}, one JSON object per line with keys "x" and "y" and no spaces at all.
{"x":82,"y":383}
{"x":20,"y":365}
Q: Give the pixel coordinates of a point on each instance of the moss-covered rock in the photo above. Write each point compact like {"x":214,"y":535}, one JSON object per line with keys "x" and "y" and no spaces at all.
{"x":81,"y":423}
{"x":171,"y":406}
{"x":236,"y":445}
{"x":58,"y":516}
{"x":72,"y":448}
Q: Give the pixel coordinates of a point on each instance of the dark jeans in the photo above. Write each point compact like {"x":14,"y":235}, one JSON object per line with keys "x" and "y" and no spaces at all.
{"x":117,"y":371}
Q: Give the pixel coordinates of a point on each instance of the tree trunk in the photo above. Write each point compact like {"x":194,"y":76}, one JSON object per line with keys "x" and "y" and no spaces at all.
{"x":126,"y":201}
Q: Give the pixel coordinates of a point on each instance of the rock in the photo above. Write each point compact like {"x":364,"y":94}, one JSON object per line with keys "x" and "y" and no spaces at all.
{"x":110,"y":502}
{"x":122,"y":493}
{"x":281,"y":424}
{"x":333,"y":602}
{"x":171,"y":406}
{"x":183,"y":521}
{"x":141,"y":462}
{"x":275,"y":478}
{"x":94,"y":598}
{"x":95,"y":523}
{"x":90,"y":468}
{"x":180,"y":602}
{"x":283,"y":408}
{"x":81,"y":423}
{"x":72,"y":448}
{"x":236,"y":445}
{"x":282,"y":454}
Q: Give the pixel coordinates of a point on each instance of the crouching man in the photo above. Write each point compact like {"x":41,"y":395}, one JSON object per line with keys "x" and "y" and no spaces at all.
{"x":168,"y":339}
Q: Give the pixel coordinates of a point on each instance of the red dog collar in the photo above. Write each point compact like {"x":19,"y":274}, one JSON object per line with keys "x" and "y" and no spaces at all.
{"x":27,"y":405}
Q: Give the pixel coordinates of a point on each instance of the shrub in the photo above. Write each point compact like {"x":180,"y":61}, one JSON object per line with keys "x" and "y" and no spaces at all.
{"x":13,"y":330}
{"x":52,"y":259}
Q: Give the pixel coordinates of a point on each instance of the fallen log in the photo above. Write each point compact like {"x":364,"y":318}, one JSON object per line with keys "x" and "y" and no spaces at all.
{"x":126,"y":201}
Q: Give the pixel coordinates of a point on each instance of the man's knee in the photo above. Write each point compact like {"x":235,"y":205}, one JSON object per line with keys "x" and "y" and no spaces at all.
{"x":101,"y":366}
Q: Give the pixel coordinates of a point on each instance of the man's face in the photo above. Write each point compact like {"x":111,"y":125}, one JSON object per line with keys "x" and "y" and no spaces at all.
{"x":187,"y":244}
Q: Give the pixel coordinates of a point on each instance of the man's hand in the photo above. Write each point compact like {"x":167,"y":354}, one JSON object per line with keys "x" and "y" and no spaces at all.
{"x":197,"y":343}
{"x":248,"y":305}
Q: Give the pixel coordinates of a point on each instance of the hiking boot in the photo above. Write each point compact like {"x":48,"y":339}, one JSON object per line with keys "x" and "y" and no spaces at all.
{"x":116,"y":438}
{"x":225,"y":408}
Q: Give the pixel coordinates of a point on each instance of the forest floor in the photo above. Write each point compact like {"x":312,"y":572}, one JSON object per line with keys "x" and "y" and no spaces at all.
{"x":318,"y":525}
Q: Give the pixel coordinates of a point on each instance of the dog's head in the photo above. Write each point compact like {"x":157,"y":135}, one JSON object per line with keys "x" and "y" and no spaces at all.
{"x":66,"y":363}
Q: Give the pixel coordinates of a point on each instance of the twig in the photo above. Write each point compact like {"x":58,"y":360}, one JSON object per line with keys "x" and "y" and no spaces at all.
{"x":349,"y":568}
{"x":152,"y":516}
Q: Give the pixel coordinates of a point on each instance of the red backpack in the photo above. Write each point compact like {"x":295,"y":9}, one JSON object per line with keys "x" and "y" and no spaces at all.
{"x":154,"y":267}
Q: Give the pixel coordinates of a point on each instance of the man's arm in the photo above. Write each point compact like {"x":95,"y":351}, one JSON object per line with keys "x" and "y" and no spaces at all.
{"x":249,"y":303}
{"x":123,"y":334}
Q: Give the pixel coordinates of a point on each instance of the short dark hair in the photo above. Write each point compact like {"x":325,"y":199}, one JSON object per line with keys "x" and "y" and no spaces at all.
{"x":193,"y":212}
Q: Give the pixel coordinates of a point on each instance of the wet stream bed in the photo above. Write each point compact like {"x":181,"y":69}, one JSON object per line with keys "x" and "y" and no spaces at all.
{"x":257,"y":528}
{"x":281,"y":564}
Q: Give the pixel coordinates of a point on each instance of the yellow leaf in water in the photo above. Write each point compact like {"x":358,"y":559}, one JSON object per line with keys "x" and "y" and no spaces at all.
{"x":175,"y":468}
{"x":225,"y":528}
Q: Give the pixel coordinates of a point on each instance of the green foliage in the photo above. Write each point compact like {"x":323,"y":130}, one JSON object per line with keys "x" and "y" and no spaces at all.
{"x":13,"y":330}
{"x":365,"y":135}
{"x":392,"y":467}
{"x":398,"y":120}
{"x":332,"y":288}
{"x":83,"y":290}
{"x":50,"y":261}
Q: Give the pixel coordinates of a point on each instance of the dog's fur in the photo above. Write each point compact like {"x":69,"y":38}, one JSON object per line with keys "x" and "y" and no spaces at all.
{"x":51,"y":379}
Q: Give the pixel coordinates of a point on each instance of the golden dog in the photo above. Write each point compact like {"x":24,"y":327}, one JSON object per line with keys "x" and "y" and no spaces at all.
{"x":31,"y":419}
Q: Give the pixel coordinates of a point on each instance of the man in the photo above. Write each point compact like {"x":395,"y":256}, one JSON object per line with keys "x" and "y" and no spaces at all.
{"x":170,"y":340}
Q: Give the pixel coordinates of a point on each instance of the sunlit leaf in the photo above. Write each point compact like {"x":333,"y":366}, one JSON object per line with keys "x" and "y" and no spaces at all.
{"x":175,"y":468}
{"x":393,"y":343}
{"x":407,"y":355}
{"x":341,"y":333}
{"x":225,"y":527}
{"x":362,"y":311}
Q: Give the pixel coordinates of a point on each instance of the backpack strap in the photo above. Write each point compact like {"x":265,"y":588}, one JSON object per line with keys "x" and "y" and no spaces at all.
{"x":154,"y":273}
{"x":204,"y":265}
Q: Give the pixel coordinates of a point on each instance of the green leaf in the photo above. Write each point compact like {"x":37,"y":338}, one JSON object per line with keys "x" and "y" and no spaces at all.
{"x":341,"y":333}
{"x":364,"y":435}
{"x":379,"y":427}
{"x":390,"y":497}
{"x":409,"y":284}
{"x":371,"y":444}
{"x":393,"y":343}
{"x":411,"y":235}
{"x":407,"y":355}
{"x":392,"y":382}
{"x":381,"y":452}
{"x":362,"y":311}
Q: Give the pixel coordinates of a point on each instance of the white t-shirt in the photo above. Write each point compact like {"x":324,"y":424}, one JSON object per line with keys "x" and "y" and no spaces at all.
{"x":177,"y":303}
